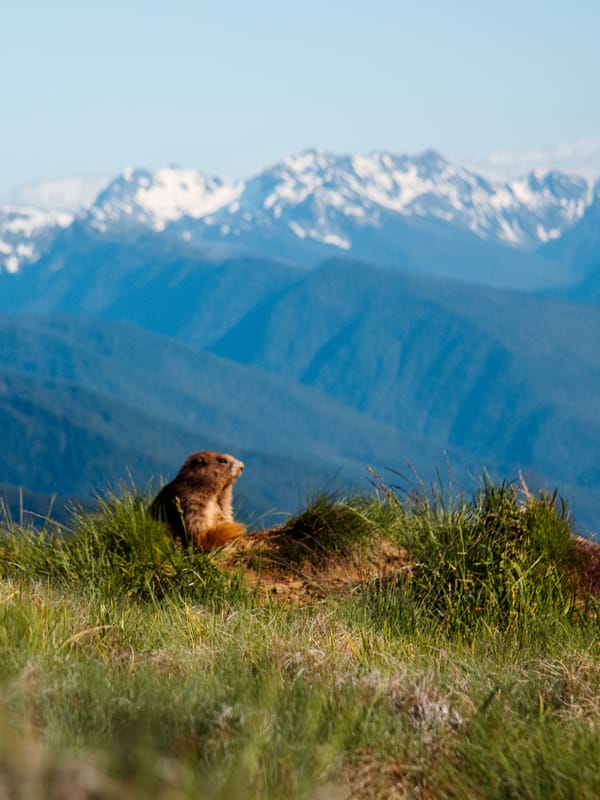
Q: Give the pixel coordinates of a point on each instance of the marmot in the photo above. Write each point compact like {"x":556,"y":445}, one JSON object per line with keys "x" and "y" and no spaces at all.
{"x":197,"y":505}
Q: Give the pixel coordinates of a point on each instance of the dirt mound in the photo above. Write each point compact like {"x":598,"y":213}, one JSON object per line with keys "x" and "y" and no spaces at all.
{"x":277,"y":564}
{"x":588,"y":565}
{"x":287,"y":563}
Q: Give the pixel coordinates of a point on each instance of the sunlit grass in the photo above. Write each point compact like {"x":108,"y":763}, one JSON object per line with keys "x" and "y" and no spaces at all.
{"x":132,"y":668}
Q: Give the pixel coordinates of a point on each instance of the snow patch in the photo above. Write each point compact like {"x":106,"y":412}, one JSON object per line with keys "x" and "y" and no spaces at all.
{"x":547,"y":235}
{"x":173,"y":194}
{"x":12,"y":264}
{"x":26,"y":232}
{"x":300,"y":232}
{"x":336,"y":241}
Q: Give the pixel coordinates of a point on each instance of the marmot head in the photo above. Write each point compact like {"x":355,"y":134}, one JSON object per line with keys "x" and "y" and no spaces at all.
{"x":210,"y":469}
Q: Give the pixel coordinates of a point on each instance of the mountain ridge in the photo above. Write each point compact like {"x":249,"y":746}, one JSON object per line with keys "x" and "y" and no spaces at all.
{"x":358,"y":186}
{"x":416,"y":212}
{"x":460,"y":364}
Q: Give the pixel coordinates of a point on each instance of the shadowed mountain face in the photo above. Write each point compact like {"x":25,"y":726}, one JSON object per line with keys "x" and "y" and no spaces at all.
{"x":579,"y":251}
{"x":154,"y":282}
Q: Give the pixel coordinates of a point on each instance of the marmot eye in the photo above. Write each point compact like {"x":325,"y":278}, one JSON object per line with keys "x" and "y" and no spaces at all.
{"x":222,"y":460}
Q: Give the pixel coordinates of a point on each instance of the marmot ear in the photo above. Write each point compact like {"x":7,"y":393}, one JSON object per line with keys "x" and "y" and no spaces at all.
{"x":199,"y":461}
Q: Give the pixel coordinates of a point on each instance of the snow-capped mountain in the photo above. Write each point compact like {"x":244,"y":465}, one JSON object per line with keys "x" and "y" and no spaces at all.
{"x":419,"y":213}
{"x":158,"y":199}
{"x":326,"y":198}
{"x":25,"y":233}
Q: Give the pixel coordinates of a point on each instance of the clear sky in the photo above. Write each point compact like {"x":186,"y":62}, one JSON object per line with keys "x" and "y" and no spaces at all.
{"x":229,"y":87}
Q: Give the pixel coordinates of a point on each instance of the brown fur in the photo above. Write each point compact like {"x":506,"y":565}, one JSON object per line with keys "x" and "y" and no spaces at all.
{"x":197,"y":505}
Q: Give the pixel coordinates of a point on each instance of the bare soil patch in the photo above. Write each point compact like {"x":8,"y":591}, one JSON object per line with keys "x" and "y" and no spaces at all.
{"x":277,"y":567}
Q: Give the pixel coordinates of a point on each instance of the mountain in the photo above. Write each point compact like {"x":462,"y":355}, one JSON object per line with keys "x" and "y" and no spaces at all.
{"x":282,"y":349}
{"x":588,"y":289}
{"x":84,"y":403}
{"x":418,"y":213}
{"x":25,"y":233}
{"x":500,"y":374}
{"x":397,"y":366}
{"x":178,"y":289}
{"x":324,"y":197}
{"x":579,"y":250}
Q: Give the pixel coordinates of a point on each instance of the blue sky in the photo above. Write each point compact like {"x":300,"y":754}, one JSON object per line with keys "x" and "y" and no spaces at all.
{"x":230,"y":87}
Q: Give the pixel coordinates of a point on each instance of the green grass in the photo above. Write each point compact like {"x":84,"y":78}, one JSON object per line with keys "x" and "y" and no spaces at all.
{"x":501,"y":559}
{"x":329,"y":526}
{"x":116,"y":550}
{"x":130,"y":668}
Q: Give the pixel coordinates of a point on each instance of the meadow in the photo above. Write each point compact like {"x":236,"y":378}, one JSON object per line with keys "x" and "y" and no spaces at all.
{"x":386,"y":645}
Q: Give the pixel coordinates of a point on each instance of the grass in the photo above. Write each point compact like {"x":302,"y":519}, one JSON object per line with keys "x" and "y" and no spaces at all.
{"x":500,"y":559}
{"x":329,"y":526}
{"x":116,"y":550}
{"x":132,"y":668}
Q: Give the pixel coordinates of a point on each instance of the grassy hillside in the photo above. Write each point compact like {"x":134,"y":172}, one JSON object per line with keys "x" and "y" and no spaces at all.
{"x":444,"y":648}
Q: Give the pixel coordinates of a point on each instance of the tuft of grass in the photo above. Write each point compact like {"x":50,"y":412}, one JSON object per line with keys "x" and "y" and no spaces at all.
{"x":328,"y":526}
{"x":500,"y":558}
{"x":118,"y":549}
